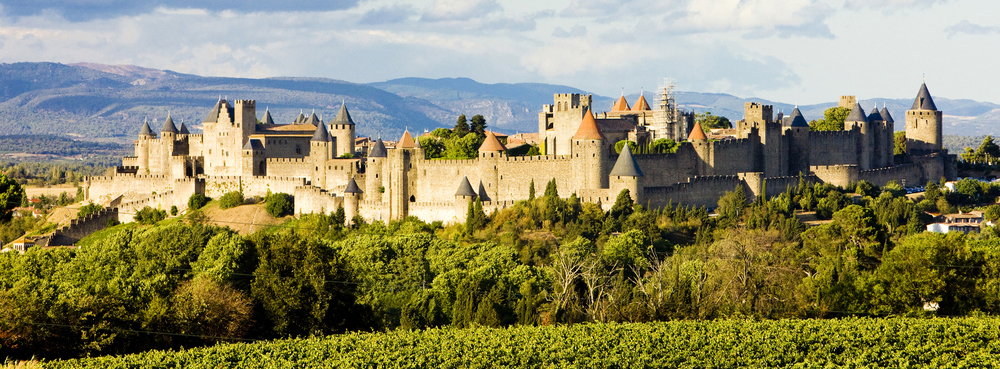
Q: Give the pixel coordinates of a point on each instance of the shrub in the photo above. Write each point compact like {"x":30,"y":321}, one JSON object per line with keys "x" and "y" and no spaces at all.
{"x":89,"y":209}
{"x":231,"y":200}
{"x":148,"y":215}
{"x":173,"y":210}
{"x":196,"y":201}
{"x":280,"y":204}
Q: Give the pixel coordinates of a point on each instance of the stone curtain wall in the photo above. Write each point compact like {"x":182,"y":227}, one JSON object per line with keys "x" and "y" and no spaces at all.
{"x":81,"y":227}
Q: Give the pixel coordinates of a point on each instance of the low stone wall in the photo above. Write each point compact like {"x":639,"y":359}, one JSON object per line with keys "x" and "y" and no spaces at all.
{"x":82,"y":227}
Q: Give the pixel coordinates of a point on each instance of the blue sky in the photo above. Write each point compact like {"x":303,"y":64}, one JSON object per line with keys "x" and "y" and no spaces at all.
{"x":795,"y":51}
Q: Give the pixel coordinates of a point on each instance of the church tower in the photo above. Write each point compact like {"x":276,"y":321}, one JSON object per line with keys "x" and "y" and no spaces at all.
{"x":923,"y":124}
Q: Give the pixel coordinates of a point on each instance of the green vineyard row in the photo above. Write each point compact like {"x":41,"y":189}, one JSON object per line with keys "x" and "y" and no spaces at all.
{"x":855,"y":342}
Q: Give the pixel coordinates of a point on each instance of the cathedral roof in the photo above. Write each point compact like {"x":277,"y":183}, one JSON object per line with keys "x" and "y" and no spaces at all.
{"x":378,"y":150}
{"x":923,"y":100}
{"x":267,"y":117}
{"x":321,"y":135}
{"x":492,"y":143}
{"x":886,"y":116}
{"x":465,"y":188}
{"x":145,"y":129}
{"x":857,"y":114}
{"x":482,"y":192}
{"x":620,"y":105}
{"x":875,"y":116}
{"x":696,"y":132}
{"x":168,"y":126}
{"x":343,"y":117}
{"x":253,"y":144}
{"x":626,"y":165}
{"x":213,"y":115}
{"x":183,"y":130}
{"x":797,"y":119}
{"x":405,"y":142}
{"x":352,"y":187}
{"x":641,"y":104}
{"x":588,"y":128}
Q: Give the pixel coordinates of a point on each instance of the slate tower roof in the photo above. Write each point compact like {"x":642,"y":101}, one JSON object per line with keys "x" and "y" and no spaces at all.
{"x":626,"y":165}
{"x":875,"y":116}
{"x":797,"y":119}
{"x":184,"y":130}
{"x":267,"y":117}
{"x":145,"y":131}
{"x":168,"y":125}
{"x":465,"y":188}
{"x":343,"y":117}
{"x":321,"y":135}
{"x":885,"y":115}
{"x":378,"y":150}
{"x":923,"y":100}
{"x":857,"y":114}
{"x":352,"y":187}
{"x":213,"y":115}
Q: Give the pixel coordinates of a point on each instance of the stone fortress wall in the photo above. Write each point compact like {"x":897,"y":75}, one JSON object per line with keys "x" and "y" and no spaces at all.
{"x":768,"y":155}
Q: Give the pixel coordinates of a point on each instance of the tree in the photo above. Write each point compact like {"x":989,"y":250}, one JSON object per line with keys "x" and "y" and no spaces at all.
{"x":280,"y":204}
{"x":709,"y":121}
{"x":551,"y":190}
{"x":148,"y":215}
{"x":531,"y":190}
{"x":663,"y":146}
{"x":231,"y":200}
{"x":899,"y":143}
{"x":631,"y":145}
{"x":11,"y":196}
{"x":478,"y":125}
{"x":833,"y":120}
{"x":196,"y":201}
{"x":461,"y":127}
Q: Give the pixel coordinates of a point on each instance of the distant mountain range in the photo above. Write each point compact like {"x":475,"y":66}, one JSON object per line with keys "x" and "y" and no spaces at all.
{"x":103,"y":102}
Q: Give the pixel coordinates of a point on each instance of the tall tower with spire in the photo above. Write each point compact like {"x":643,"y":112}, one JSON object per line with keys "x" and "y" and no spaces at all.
{"x":590,"y":149}
{"x":923,"y":124}
{"x":342,"y":129}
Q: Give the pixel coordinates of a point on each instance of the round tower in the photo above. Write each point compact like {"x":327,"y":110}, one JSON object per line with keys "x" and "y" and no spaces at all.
{"x":857,"y":120}
{"x":352,"y":201}
{"x":319,"y":154}
{"x":463,"y":197}
{"x":589,"y":153}
{"x":142,"y":147}
{"x":798,"y":143}
{"x":702,"y":148}
{"x":923,"y":125}
{"x":373,"y":171}
{"x":626,"y":175}
{"x":491,"y":153}
{"x":342,"y":129}
{"x":168,"y":136}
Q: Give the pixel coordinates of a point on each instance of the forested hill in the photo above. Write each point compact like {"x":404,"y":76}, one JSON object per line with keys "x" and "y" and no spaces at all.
{"x":93,"y":101}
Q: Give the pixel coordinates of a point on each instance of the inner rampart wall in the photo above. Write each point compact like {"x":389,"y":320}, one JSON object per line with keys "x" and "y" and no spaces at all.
{"x":832,"y":148}
{"x":437,"y":180}
{"x":516,"y":174}
{"x":216,"y":186}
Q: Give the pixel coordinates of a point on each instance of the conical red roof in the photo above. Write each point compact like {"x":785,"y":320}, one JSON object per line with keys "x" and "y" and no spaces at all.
{"x":406,"y":142}
{"x":620,"y":105}
{"x":697,"y":133}
{"x":588,"y":128}
{"x":492,"y":143}
{"x":641,"y":104}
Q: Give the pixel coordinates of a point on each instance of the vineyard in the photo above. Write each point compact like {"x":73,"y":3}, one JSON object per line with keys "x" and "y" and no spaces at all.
{"x":861,"y":342}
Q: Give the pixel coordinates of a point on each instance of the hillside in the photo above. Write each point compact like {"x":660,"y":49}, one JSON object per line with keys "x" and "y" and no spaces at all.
{"x":103,"y":102}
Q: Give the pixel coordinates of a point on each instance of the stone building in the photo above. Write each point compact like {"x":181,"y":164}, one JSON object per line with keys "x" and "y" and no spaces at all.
{"x":307,"y":159}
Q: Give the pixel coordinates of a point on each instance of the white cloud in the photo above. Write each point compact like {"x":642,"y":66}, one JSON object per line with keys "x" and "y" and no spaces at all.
{"x":394,"y":13}
{"x":892,"y":5}
{"x":970,"y":28}
{"x":460,"y":10}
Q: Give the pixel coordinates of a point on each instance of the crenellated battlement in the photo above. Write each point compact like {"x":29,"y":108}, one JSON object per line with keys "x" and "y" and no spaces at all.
{"x":288,"y":160}
{"x":739,"y":142}
{"x":538,"y":158}
{"x":447,"y":162}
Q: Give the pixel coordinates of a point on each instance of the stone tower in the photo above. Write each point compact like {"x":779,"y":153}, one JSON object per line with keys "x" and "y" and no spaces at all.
{"x":398,"y":177}
{"x":463,"y":197}
{"x":142,"y":147}
{"x":923,"y":124}
{"x":168,"y":136}
{"x":559,"y":122}
{"x":319,"y":154}
{"x":858,"y":121}
{"x":352,"y":201}
{"x":590,"y":150}
{"x":342,"y":129}
{"x":890,"y":125}
{"x":798,"y":143}
{"x":491,"y":153}
{"x":253,"y":159}
{"x":878,"y":129}
{"x":626,"y":175}
{"x":769,"y":157}
{"x":702,"y":148}
{"x":373,"y":171}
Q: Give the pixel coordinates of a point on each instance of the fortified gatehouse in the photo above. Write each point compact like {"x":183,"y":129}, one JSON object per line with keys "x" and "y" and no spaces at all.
{"x":315,"y":160}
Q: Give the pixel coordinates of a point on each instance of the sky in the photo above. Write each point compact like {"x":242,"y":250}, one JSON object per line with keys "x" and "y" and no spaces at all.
{"x":792,"y":51}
